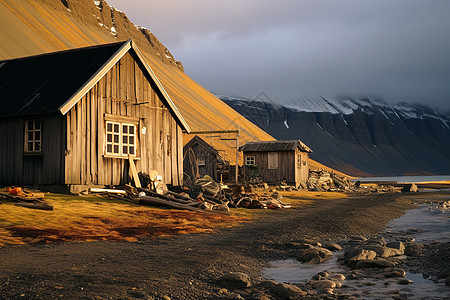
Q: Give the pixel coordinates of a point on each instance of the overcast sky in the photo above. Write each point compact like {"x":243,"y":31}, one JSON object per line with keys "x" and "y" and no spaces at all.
{"x":399,"y":50}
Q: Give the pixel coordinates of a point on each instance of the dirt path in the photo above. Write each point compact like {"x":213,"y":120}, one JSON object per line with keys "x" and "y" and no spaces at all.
{"x":186,"y":267}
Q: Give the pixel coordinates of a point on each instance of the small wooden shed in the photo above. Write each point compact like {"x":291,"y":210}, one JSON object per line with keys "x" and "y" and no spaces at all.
{"x":276,"y":161}
{"x":74,"y":118}
{"x":206,"y":156}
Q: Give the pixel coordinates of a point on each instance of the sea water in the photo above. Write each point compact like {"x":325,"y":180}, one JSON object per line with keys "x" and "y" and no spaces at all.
{"x":425,"y":224}
{"x":406,"y":179}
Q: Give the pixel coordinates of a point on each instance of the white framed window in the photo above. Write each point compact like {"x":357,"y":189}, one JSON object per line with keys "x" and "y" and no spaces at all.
{"x":272,"y":160}
{"x":33,"y":136}
{"x":120,"y":139}
{"x":250,"y":161}
{"x":201,"y":161}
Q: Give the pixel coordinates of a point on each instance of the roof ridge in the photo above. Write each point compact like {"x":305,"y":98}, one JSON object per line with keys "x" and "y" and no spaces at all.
{"x":63,"y":51}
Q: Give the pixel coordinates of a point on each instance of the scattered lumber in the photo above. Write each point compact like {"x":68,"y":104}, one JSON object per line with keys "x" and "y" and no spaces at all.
{"x":110,"y":191}
{"x":134,"y":172}
{"x":36,"y":205}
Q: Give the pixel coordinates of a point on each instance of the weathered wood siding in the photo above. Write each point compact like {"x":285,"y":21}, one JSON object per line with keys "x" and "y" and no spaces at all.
{"x":123,"y":91}
{"x":19,"y":168}
{"x":288,"y":167}
{"x":210,"y":167}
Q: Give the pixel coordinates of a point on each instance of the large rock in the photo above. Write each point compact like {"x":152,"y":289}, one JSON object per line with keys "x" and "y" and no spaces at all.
{"x":381,"y":251}
{"x":398,"y":246}
{"x":353,"y":255}
{"x":314,"y":255}
{"x":332,"y":246}
{"x":413,"y":249}
{"x":288,"y":291}
{"x":235,"y":280}
{"x":410,"y":188}
{"x":323,"y":284}
{"x":379,"y":263}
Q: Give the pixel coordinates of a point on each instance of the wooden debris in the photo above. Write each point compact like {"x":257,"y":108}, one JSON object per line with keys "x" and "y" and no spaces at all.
{"x":111,"y":191}
{"x":133,"y":172}
{"x":36,"y":205}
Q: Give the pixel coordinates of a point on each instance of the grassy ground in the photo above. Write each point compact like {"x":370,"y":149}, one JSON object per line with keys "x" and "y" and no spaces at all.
{"x":92,"y":218}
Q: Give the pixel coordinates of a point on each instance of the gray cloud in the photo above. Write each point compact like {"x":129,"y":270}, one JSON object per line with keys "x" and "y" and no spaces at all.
{"x":396,"y":49}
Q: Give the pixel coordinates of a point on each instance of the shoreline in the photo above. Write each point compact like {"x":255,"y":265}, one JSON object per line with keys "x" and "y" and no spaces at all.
{"x":188,"y":266}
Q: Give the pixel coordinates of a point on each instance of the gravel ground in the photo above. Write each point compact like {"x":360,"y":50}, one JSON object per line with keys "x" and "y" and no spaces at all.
{"x":187,"y":266}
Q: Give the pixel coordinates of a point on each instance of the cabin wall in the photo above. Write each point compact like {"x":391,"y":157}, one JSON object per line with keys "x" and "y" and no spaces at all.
{"x":210,"y":167}
{"x":124,"y":91}
{"x":285,"y":170}
{"x":20,"y":168}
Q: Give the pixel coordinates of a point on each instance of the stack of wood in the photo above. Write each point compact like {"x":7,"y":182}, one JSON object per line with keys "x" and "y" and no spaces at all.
{"x":322,"y":180}
{"x":26,"y":198}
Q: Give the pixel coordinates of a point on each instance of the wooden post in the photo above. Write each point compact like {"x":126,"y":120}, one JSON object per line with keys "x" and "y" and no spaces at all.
{"x":237,"y":155}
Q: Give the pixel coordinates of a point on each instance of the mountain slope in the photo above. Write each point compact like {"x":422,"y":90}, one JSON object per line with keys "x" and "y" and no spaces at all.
{"x":359,"y":136}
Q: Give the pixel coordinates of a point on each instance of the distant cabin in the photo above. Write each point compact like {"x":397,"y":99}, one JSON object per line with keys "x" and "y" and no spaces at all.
{"x":73,"y":118}
{"x":206,"y":157}
{"x":275,"y":161}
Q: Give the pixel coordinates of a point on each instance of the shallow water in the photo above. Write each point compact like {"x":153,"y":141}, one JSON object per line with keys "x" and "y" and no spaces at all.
{"x":426,"y":223}
{"x":406,"y":179}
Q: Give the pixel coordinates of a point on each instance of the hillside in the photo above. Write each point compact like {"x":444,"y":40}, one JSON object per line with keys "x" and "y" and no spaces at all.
{"x":367,"y":136}
{"x":29,"y":27}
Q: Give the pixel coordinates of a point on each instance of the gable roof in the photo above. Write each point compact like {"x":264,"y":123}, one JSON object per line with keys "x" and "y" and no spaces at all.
{"x":56,"y":81}
{"x":198,"y":140}
{"x":275,"y":146}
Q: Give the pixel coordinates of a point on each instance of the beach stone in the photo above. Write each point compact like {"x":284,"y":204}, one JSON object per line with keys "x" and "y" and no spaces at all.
{"x":235,"y":280}
{"x":267,"y":284}
{"x":373,"y":263}
{"x":353,"y":255}
{"x":288,"y":291}
{"x":405,"y":281}
{"x":413,"y":249}
{"x":381,"y":251}
{"x":447,"y":281}
{"x":337,"y":276}
{"x":398,"y":246}
{"x":376,"y":241}
{"x":321,"y":275}
{"x":323,"y":284}
{"x":395,"y":273}
{"x":410,"y":188}
{"x":314,"y":255}
{"x":332,"y":246}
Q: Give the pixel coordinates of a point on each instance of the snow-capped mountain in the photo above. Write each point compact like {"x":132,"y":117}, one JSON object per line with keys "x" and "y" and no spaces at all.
{"x":360,"y":136}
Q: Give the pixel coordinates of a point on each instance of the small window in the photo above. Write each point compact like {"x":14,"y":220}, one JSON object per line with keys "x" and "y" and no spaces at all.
{"x":201,"y":161}
{"x":272,"y":160}
{"x":33,"y":136}
{"x":250,"y":161}
{"x":120,"y":139}
{"x":299,"y":161}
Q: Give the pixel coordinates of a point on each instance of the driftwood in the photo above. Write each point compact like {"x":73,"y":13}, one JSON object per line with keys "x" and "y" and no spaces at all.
{"x":111,"y":191}
{"x":164,"y":197}
{"x":148,"y":200}
{"x":38,"y":205}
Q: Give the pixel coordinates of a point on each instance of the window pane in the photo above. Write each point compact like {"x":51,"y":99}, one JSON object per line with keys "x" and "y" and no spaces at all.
{"x":109,"y":148}
{"x":125,"y":129}
{"x":125,"y":139}
{"x":37,"y":146}
{"x":116,"y":128}
{"x":131,"y":131}
{"x":116,"y":138}
{"x":131,"y":150}
{"x":30,"y":135}
{"x":30,"y":125}
{"x":30,"y":146}
{"x":131,"y":140}
{"x":37,"y":135}
{"x":116,"y":148}
{"x":37,"y":125}
{"x":125,"y":150}
{"x":109,"y":138}
{"x":109,"y":127}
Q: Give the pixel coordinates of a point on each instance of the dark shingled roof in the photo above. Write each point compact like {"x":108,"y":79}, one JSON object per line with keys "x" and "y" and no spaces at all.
{"x":43,"y":83}
{"x":198,"y":140}
{"x":275,"y":146}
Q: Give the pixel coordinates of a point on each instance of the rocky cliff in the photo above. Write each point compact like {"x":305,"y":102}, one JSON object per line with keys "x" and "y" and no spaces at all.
{"x":359,"y":136}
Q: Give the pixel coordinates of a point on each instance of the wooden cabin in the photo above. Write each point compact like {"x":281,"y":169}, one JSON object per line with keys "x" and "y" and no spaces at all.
{"x":275,"y":161}
{"x":206,"y":157}
{"x":75,"y":117}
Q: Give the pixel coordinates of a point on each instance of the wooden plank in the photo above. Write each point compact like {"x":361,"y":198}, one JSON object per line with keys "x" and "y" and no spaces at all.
{"x":180,"y":154}
{"x":77,"y":163}
{"x":83,"y":157}
{"x":88,"y":176}
{"x":174,"y":152}
{"x":133,"y":172}
{"x":93,"y":136}
{"x":101,"y":101}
